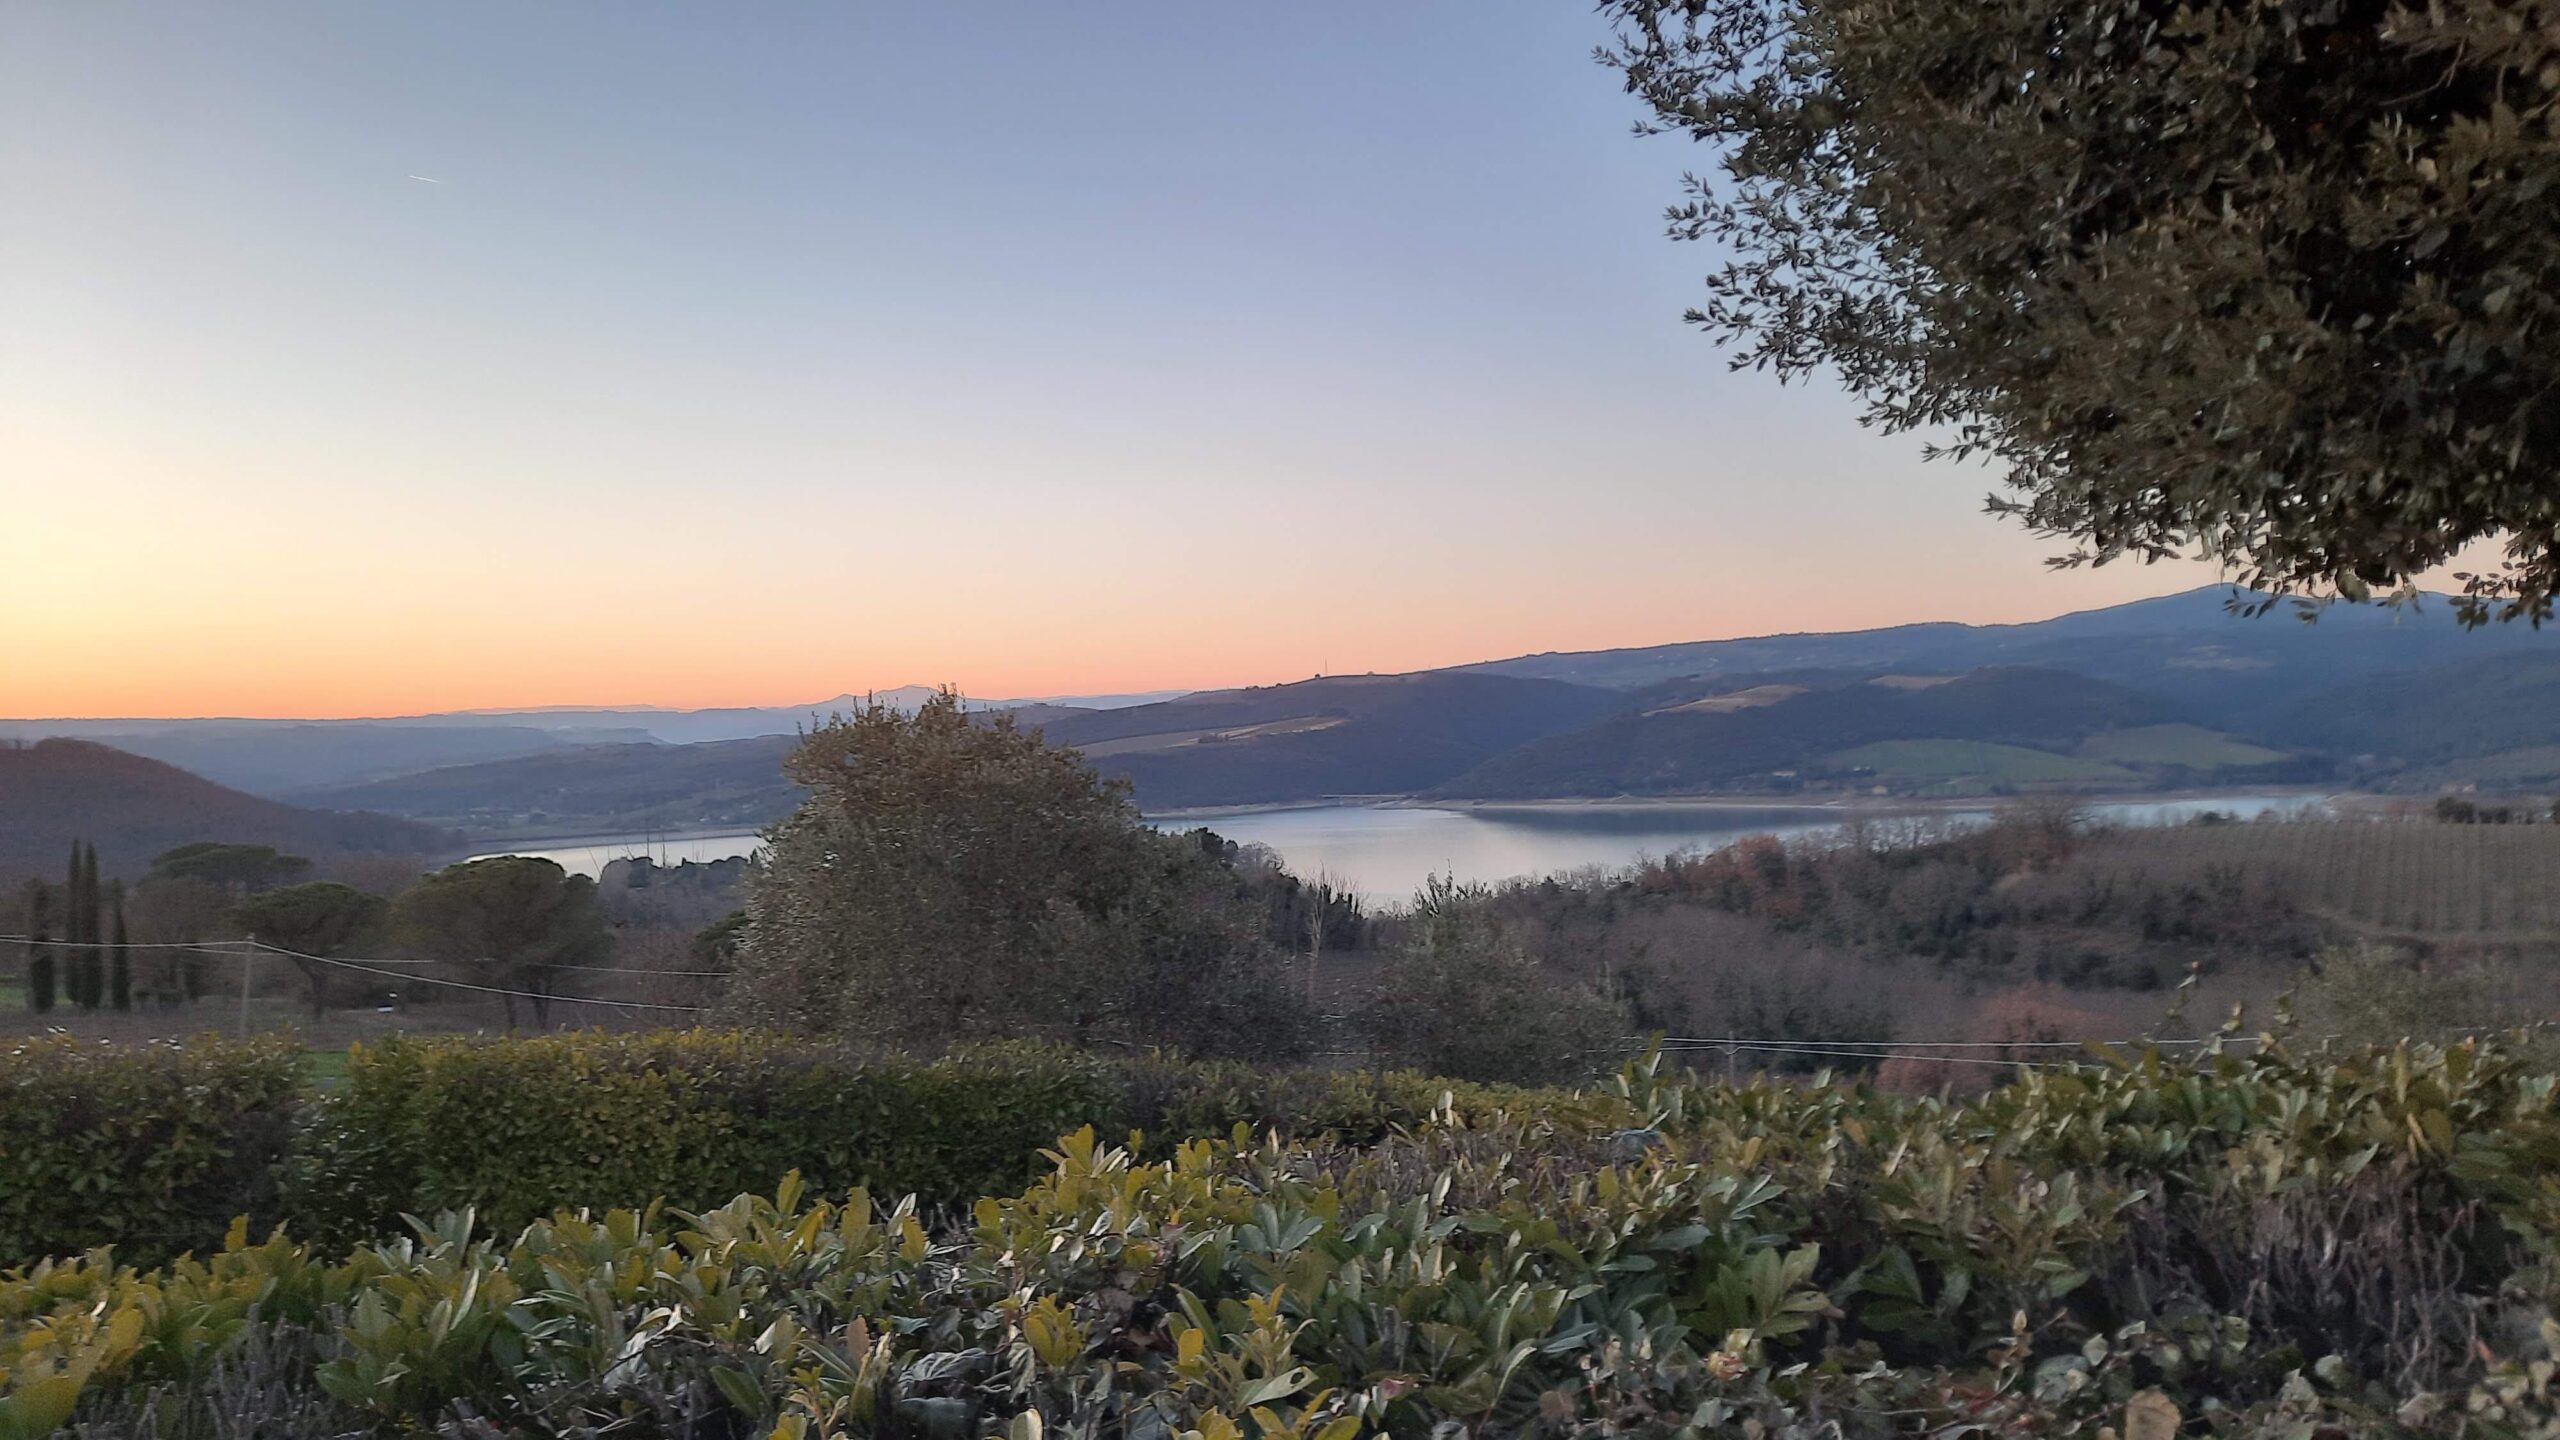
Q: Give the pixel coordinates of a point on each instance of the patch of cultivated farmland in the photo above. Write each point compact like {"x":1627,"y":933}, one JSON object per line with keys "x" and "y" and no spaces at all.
{"x":2485,"y":882}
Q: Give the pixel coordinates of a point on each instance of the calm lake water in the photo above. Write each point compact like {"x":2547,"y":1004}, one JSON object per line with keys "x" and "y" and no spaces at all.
{"x":1386,"y":852}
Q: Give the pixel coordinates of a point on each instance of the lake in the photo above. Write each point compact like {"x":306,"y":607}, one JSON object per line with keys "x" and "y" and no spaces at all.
{"x":1385,"y":852}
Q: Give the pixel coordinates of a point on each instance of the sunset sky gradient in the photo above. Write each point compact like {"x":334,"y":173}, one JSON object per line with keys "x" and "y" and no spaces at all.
{"x":750,"y":356}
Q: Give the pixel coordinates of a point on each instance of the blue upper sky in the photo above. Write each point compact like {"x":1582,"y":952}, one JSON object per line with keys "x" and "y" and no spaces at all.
{"x":374,"y":357}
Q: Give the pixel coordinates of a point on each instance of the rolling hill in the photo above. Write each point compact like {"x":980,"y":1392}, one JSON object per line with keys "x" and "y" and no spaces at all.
{"x":1345,"y":735}
{"x":279,"y":758}
{"x":1691,"y":737}
{"x":591,"y":789}
{"x":2469,"y":712}
{"x":2188,"y":650}
{"x":274,"y":757}
{"x":132,"y":808}
{"x":2176,"y":690}
{"x":1336,"y":736}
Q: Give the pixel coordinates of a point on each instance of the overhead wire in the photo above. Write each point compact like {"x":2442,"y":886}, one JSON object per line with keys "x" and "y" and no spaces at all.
{"x":1921,"y":1050}
{"x":236,"y":949}
{"x":368,"y":959}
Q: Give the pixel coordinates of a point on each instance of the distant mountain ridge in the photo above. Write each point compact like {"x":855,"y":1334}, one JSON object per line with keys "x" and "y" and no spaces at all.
{"x":2172,"y":690}
{"x":2187,"y":649}
{"x":712,"y":784}
{"x":133,"y":808}
{"x":1691,"y":737}
{"x":281,"y":758}
{"x":1332,"y":736}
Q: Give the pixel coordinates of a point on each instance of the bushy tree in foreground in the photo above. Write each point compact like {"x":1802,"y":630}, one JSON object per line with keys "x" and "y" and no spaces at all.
{"x":2276,"y":281}
{"x":318,"y":922}
{"x":950,"y":879}
{"x":514,"y":923}
{"x":1461,"y":998}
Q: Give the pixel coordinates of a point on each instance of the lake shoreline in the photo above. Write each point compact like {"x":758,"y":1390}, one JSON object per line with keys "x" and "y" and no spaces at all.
{"x":1878,"y":806}
{"x":1384,"y":848}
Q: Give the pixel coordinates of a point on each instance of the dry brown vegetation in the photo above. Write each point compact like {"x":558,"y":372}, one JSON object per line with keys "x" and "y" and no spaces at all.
{"x":2035,"y":930}
{"x":2005,"y":939}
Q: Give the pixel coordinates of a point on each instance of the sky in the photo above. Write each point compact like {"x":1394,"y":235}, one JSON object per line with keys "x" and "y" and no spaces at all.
{"x":377,"y":359}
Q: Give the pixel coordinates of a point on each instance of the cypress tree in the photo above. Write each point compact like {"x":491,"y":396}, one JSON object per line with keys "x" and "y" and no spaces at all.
{"x":40,"y":954}
{"x":71,"y":925}
{"x":87,"y":982}
{"x":120,"y":959}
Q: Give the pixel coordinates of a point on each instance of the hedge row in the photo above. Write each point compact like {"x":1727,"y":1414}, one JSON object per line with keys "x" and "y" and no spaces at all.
{"x":154,"y":1150}
{"x":145,"y":1148}
{"x":2342,"y":1245}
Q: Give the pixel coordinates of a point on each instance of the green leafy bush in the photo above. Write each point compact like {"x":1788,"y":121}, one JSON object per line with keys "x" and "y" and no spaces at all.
{"x":151,"y":1148}
{"x":1781,"y":1261}
{"x":514,"y":1129}
{"x":517,"y":1128}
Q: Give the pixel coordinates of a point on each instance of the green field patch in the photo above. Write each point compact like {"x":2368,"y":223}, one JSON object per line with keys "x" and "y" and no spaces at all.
{"x":2190,"y":746}
{"x":1938,"y":762}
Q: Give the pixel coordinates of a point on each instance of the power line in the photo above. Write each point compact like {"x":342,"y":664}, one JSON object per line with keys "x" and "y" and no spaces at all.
{"x":112,"y":945}
{"x":1817,"y":1049}
{"x":362,"y":967}
{"x":368,"y":959}
{"x":1684,"y":1042}
{"x":241,"y":949}
{"x":1834,"y":1053}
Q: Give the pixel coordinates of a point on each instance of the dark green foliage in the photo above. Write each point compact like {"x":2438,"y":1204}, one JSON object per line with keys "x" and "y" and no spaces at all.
{"x":151,"y":1148}
{"x":240,"y":869}
{"x":950,"y":879}
{"x":42,"y":963}
{"x":2341,"y":1243}
{"x":316,"y":922}
{"x":513,"y":923}
{"x":87,"y":973}
{"x":120,"y":957}
{"x":516,"y":1128}
{"x":1460,"y":997}
{"x":2277,"y":281}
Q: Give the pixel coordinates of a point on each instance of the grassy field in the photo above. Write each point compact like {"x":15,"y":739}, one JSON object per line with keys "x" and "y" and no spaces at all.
{"x":1950,"y":766}
{"x":2191,"y":746}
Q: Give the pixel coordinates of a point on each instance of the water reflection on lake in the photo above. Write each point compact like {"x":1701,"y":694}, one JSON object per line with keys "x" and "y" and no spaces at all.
{"x":1386,"y":852}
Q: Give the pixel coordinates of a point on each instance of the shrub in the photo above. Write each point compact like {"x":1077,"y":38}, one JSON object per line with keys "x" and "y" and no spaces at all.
{"x":151,"y":1149}
{"x":949,"y":876}
{"x":1461,"y":997}
{"x":1794,"y":1261}
{"x":514,"y":1129}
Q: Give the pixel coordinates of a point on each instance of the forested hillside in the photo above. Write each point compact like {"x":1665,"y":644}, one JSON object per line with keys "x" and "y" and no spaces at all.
{"x":596,"y":787}
{"x":1776,"y":734}
{"x":1341,"y":735}
{"x":2189,"y":649}
{"x":55,"y":791}
{"x":2473,"y":708}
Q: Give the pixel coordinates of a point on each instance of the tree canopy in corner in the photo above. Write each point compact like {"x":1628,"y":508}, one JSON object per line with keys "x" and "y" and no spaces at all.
{"x":2277,"y":281}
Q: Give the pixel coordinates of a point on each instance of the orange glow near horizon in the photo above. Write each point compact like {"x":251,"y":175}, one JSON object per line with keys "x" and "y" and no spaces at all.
{"x":382,"y":360}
